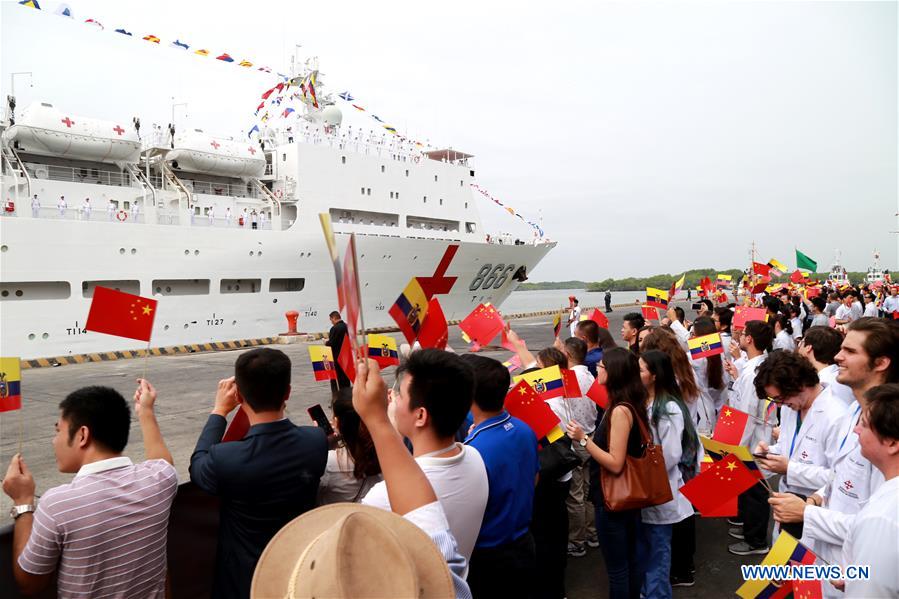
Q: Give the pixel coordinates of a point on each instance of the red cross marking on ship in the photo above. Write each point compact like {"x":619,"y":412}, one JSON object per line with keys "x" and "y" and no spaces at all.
{"x":437,"y":283}
{"x":69,"y":122}
{"x":215,"y":144}
{"x":252,"y":150}
{"x":118,"y":129}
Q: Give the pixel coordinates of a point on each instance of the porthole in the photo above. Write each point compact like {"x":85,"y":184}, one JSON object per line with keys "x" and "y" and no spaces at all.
{"x":275,"y":301}
{"x":343,"y":159}
{"x":251,"y":252}
{"x":168,"y":289}
{"x":233,"y":322}
{"x":45,"y":336}
{"x":5,"y":293}
{"x":196,"y":252}
{"x":382,"y":168}
{"x":133,"y":251}
{"x":259,"y":254}
{"x":187,"y":252}
{"x":31,"y":336}
{"x":121,"y":250}
{"x":4,"y":248}
{"x":185,"y":325}
{"x":165,"y":328}
{"x":18,"y":293}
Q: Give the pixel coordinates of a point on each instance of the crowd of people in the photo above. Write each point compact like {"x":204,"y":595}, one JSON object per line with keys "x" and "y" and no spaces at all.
{"x":432,"y":488}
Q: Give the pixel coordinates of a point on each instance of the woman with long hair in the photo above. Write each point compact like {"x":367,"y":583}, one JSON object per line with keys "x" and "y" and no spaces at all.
{"x":617,"y":436}
{"x":711,"y":379}
{"x":672,"y":430}
{"x":353,"y":467}
{"x":665,"y":341}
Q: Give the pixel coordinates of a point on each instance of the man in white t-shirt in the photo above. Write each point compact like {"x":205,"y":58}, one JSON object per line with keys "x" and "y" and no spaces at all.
{"x":820,"y":346}
{"x":435,"y":394}
{"x":844,"y":314}
{"x":891,"y":303}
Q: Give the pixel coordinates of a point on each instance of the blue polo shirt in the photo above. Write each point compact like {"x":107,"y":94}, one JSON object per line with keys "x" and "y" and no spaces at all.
{"x":509,"y":450}
{"x":592,"y":359}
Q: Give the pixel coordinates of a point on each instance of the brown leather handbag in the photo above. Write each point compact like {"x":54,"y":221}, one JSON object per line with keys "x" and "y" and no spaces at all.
{"x":643,"y":482}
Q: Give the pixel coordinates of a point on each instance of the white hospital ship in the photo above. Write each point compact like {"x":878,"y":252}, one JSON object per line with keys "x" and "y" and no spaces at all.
{"x":226,"y":234}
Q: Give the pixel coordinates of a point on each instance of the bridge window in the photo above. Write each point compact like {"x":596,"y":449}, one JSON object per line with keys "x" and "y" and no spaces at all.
{"x":240,"y":286}
{"x":132,"y":287}
{"x":181,"y":287}
{"x":286,"y":285}
{"x":32,"y":290}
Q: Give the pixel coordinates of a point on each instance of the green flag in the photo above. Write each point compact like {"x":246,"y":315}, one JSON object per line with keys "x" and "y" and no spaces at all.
{"x":805,"y":263}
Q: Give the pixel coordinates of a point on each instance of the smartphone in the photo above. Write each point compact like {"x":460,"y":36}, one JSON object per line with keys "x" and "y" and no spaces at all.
{"x":698,"y":306}
{"x":764,"y":456}
{"x":318,"y":417}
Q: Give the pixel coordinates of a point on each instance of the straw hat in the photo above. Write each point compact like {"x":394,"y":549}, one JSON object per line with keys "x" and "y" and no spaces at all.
{"x":351,"y":550}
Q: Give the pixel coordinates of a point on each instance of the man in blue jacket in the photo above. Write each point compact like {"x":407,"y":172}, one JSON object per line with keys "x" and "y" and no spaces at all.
{"x":264,"y":480}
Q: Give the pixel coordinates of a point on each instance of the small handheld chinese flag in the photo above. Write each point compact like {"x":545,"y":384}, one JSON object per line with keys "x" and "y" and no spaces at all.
{"x":599,"y":318}
{"x":649,"y":313}
{"x":433,"y":331}
{"x":599,"y":394}
{"x":744,"y":314}
{"x":121,"y":314}
{"x":238,"y":426}
{"x":347,"y":361}
{"x":728,"y":509}
{"x":483,"y":324}
{"x":731,"y":425}
{"x":570,"y":385}
{"x":10,"y":384}
{"x":524,"y":403}
{"x":723,"y":481}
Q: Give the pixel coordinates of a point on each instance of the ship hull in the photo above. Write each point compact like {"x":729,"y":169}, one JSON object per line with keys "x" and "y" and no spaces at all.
{"x":219,"y":284}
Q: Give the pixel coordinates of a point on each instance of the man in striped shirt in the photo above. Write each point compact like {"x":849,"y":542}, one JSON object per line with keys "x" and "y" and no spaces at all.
{"x":105,"y":532}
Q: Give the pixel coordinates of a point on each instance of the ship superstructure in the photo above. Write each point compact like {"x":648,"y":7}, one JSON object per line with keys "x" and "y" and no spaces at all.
{"x":225,"y":232}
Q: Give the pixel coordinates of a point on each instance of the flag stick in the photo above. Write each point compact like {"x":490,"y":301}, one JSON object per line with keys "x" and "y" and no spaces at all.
{"x":21,"y":428}
{"x":146,"y":359}
{"x":361,"y":330}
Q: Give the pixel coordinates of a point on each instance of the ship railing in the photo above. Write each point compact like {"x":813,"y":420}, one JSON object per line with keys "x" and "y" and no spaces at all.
{"x":222,"y":222}
{"x":238,"y":190}
{"x":77,"y":213}
{"x":80,"y":175}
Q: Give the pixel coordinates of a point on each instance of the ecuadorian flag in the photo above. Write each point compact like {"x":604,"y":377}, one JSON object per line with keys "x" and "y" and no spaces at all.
{"x":656,"y":298}
{"x":410,"y":309}
{"x":718,"y":449}
{"x":322,"y":362}
{"x":547,"y":382}
{"x":785,"y":551}
{"x":724,"y":280}
{"x":705,"y":346}
{"x":382,"y":349}
{"x":10,"y":384}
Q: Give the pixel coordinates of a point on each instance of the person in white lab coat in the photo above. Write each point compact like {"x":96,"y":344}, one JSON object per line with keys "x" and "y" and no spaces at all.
{"x":783,"y":333}
{"x":869,"y":358}
{"x":712,"y":380}
{"x":752,"y":504}
{"x":874,"y":538}
{"x":819,"y":346}
{"x":672,"y":429}
{"x":809,"y":429}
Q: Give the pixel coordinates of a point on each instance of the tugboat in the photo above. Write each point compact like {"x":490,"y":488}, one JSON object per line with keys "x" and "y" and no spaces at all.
{"x":876,"y":273}
{"x":838,"y":276}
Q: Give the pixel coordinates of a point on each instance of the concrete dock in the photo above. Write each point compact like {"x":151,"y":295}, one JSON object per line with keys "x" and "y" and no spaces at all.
{"x":187,"y":382}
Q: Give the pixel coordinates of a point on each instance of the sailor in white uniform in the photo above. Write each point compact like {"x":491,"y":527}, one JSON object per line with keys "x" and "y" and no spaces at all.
{"x":210,"y":214}
{"x":35,"y":207}
{"x":86,"y":209}
{"x":135,"y":211}
{"x":110,"y":210}
{"x":228,"y":216}
{"x":62,"y":206}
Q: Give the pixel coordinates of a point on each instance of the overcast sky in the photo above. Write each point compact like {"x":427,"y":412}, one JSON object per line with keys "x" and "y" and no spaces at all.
{"x":654,"y":137}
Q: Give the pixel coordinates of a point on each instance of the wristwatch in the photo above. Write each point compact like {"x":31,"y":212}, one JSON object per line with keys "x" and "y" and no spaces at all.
{"x":583,"y":442}
{"x":17,"y":510}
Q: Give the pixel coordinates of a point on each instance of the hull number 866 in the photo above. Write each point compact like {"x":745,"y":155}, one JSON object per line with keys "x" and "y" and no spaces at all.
{"x":491,"y":276}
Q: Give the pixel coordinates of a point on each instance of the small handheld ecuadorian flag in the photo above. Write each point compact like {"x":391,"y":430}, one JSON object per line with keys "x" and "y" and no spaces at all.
{"x":557,"y":324}
{"x":547,"y":382}
{"x":10,"y":384}
{"x":705,"y":346}
{"x":409,"y":310}
{"x":322,"y":362}
{"x":786,"y":549}
{"x":656,"y":298}
{"x":776,"y":268}
{"x":382,"y":349}
{"x":718,"y":450}
{"x":724,"y":280}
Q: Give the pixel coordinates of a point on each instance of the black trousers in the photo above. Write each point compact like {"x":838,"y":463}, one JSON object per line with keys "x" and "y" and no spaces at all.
{"x":504,"y":571}
{"x":683,"y":547}
{"x":754,"y":511}
{"x":550,"y":529}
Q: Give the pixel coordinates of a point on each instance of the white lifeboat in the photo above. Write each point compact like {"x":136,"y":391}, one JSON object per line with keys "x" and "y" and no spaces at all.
{"x":42,"y":129}
{"x":197,"y":152}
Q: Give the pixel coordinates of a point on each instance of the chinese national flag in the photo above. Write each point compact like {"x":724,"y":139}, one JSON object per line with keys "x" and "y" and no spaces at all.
{"x":797,"y":276}
{"x":744,"y":314}
{"x":121,"y":314}
{"x":728,"y":509}
{"x":807,"y":589}
{"x":570,"y":384}
{"x":599,"y":394}
{"x":524,"y":403}
{"x":649,"y":313}
{"x":238,"y":427}
{"x":761,"y":269}
{"x":730,"y":427}
{"x":433,"y":331}
{"x":724,"y":480}
{"x":599,"y":318}
{"x":483,"y":324}
{"x":761,"y":285}
{"x":347,"y":360}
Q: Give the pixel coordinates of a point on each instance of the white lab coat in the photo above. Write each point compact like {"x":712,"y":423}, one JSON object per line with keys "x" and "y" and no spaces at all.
{"x":705,"y":408}
{"x":814,"y":446}
{"x":784,"y":341}
{"x":828,"y":377}
{"x":668,"y":434}
{"x":874,"y":541}
{"x":683,"y":335}
{"x":853,"y":480}
{"x":744,"y":398}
